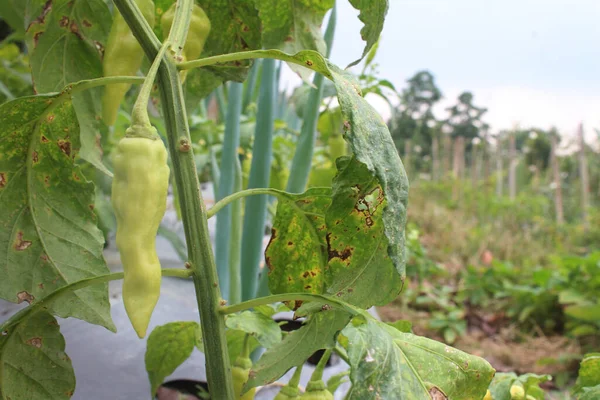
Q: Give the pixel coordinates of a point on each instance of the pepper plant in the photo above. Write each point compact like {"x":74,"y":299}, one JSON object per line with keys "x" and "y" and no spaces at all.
{"x":334,"y":251}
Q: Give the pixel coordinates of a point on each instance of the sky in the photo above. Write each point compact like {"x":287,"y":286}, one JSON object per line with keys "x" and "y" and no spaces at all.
{"x":530,"y":62}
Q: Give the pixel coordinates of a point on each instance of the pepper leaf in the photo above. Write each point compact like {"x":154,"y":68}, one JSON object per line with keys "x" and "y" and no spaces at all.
{"x":168,"y":347}
{"x":389,"y":364}
{"x":66,"y":43}
{"x":296,"y":254}
{"x":265,"y":330}
{"x":372,"y":14}
{"x":50,"y":237}
{"x":33,"y":362}
{"x":318,"y":333}
{"x":292,"y":25}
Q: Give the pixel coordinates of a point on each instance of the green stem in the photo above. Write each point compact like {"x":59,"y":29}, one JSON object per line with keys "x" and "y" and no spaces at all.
{"x":291,"y":389}
{"x":179,"y":28}
{"x":295,"y":380}
{"x":139,"y":115}
{"x":247,"y":55}
{"x":245,"y":193}
{"x":193,"y":210}
{"x":277,"y":298}
{"x":229,"y":154}
{"x":92,"y":83}
{"x":302,"y":161}
{"x":44,"y":303}
{"x":235,"y":273}
{"x":317,"y":375}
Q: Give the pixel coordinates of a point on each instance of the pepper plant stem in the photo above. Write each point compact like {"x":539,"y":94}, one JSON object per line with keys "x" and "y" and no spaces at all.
{"x":201,"y":258}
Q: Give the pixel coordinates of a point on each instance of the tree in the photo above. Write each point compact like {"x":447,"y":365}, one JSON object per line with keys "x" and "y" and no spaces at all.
{"x":464,"y":124}
{"x":413,"y":121}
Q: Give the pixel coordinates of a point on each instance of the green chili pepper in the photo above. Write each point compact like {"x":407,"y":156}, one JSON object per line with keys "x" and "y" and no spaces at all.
{"x":139,"y":198}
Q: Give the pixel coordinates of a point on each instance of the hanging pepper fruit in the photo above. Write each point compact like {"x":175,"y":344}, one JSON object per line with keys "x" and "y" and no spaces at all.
{"x":123,"y":56}
{"x":197,"y":34}
{"x":139,"y":198}
{"x":240,"y":371}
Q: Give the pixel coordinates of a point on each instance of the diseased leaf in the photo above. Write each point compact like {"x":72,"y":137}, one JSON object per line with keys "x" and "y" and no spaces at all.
{"x":359,"y":270}
{"x":318,"y":333}
{"x":235,"y":27}
{"x":168,"y":347}
{"x":372,"y":14}
{"x":293,"y":25}
{"x":33,"y":363}
{"x":265,"y":330}
{"x":372,"y":188}
{"x":388,"y":364}
{"x":49,"y":236}
{"x":87,"y":107}
{"x":19,"y":14}
{"x":372,"y":145}
{"x":66,"y":45}
{"x":296,"y":254}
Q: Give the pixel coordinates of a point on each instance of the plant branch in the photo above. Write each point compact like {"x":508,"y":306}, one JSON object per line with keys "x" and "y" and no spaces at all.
{"x":193,"y":210}
{"x":245,"y":193}
{"x":44,"y":303}
{"x":139,"y":116}
{"x":251,"y":55}
{"x":277,"y":298}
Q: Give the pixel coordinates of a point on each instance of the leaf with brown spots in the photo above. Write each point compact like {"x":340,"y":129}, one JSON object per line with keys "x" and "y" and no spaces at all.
{"x":49,"y":236}
{"x":359,"y":269}
{"x":67,"y":51}
{"x":389,"y":364}
{"x":292,"y":26}
{"x":33,"y":363}
{"x":296,"y":254}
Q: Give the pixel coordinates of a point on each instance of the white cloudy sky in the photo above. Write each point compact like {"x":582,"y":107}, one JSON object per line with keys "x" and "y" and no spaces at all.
{"x":530,"y":62}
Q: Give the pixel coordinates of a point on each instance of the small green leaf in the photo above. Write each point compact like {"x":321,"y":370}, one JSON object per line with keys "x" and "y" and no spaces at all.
{"x":168,"y":347}
{"x":592,"y":393}
{"x":318,"y":333}
{"x":588,"y":312}
{"x":589,"y":372}
{"x":271,"y":309}
{"x":265,"y":330}
{"x":402,"y":325}
{"x":33,"y":363}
